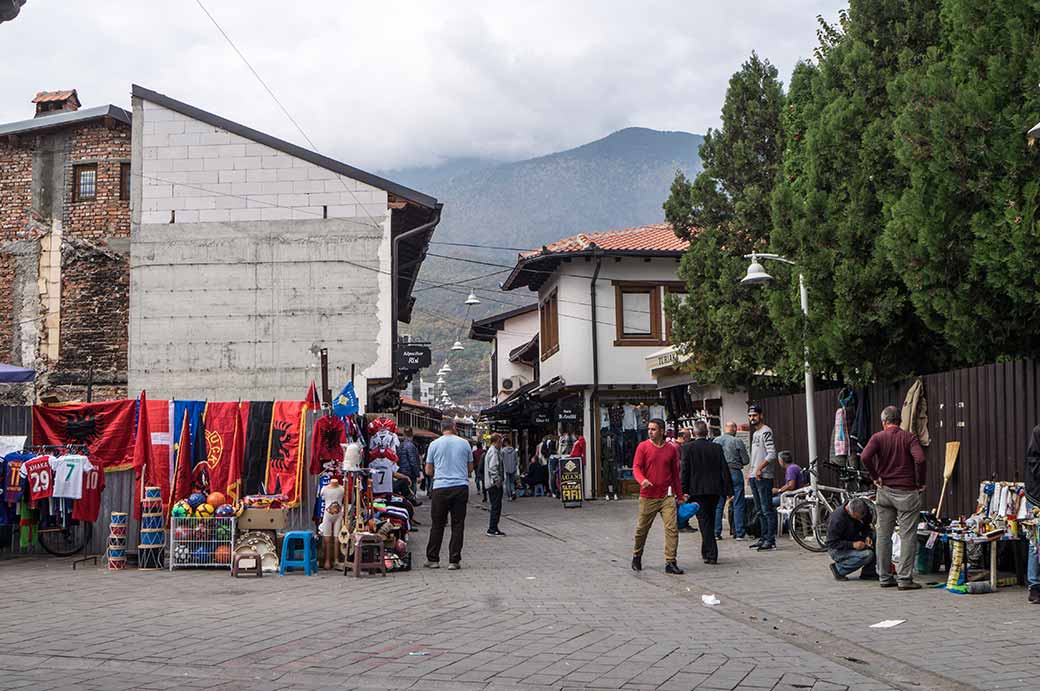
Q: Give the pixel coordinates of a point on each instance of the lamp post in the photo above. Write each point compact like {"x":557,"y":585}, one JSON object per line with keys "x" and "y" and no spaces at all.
{"x":756,"y":275}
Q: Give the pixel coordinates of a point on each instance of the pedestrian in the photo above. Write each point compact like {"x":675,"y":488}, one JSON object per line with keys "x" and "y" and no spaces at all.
{"x":449,"y":461}
{"x":1033,"y":502}
{"x":408,"y":462}
{"x":656,"y":469}
{"x":510,"y":466}
{"x":478,"y":470}
{"x":737,"y":458}
{"x":494,"y":479}
{"x":760,"y":478}
{"x":849,"y":541}
{"x":705,"y":480}
{"x":895,"y":460}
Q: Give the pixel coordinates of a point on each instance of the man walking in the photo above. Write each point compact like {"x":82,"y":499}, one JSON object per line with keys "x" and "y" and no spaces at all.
{"x":850,"y":543}
{"x":408,"y":463}
{"x":760,"y":478}
{"x":895,"y":460}
{"x":494,"y":479}
{"x":705,"y":480}
{"x":478,"y":471}
{"x":656,"y":469}
{"x":449,"y":462}
{"x":510,"y":466}
{"x":736,"y":456}
{"x":1033,"y":499}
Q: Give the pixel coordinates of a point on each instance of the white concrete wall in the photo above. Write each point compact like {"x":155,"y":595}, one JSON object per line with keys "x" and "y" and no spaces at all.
{"x":618,"y":365}
{"x":515,"y":332}
{"x":232,"y":299}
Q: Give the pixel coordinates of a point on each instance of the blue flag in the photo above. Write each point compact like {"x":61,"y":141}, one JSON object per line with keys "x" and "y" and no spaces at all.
{"x":345,"y":403}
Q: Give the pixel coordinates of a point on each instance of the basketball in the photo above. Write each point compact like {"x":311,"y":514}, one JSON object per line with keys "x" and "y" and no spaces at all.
{"x":215,"y":499}
{"x":204,"y":511}
{"x":197,"y":499}
{"x":223,"y":510}
{"x":182,"y":509}
{"x":222,"y":555}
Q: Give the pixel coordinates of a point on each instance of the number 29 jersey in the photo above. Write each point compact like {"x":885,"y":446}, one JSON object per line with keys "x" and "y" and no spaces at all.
{"x":41,"y":477}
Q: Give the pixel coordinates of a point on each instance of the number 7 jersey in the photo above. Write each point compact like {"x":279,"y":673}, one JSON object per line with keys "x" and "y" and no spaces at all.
{"x":69,"y":471}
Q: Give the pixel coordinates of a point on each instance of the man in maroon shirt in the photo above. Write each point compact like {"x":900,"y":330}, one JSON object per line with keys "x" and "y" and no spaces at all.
{"x":656,"y":469}
{"x":895,"y":460}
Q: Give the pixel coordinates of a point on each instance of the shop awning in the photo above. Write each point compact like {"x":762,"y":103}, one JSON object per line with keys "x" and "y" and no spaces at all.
{"x":424,"y":433}
{"x":548,"y":388}
{"x":526,"y":354}
{"x":9,"y":374}
{"x":511,"y":405}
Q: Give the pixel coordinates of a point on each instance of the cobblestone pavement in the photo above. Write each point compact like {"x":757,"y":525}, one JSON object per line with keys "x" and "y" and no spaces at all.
{"x":552,"y":605}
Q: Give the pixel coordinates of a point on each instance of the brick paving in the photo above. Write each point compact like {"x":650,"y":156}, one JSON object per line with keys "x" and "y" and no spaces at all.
{"x":553,"y":605}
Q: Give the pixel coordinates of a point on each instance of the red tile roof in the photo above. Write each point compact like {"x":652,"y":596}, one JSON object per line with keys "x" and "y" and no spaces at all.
{"x":44,"y":96}
{"x":658,"y":237}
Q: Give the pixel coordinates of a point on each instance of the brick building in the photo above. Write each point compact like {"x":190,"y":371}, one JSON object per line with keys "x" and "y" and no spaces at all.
{"x":64,"y":248}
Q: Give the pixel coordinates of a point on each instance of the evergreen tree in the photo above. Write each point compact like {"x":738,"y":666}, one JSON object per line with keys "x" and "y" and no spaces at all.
{"x":725,"y":212}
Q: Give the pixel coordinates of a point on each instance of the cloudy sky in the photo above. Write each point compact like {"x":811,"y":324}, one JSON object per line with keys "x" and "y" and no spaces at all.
{"x":393,"y":83}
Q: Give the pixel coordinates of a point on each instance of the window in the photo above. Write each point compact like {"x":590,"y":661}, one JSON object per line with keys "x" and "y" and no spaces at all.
{"x":637,"y":309}
{"x":678,"y":297}
{"x":124,"y":182}
{"x":549,"y":327}
{"x":84,"y":182}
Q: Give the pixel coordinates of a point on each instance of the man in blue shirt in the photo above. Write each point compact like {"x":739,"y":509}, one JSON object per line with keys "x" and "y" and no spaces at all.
{"x":449,"y":461}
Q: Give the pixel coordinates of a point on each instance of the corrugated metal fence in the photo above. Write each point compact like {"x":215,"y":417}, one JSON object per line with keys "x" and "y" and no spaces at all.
{"x":989,"y":409}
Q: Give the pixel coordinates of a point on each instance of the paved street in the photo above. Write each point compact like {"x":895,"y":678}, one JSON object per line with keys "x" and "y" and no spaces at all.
{"x":553,"y":605}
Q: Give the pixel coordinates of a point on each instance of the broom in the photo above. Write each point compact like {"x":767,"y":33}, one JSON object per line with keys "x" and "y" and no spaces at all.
{"x":952,"y":449}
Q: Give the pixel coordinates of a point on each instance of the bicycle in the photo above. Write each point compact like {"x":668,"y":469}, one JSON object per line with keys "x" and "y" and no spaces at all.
{"x":66,"y":541}
{"x":812,"y":511}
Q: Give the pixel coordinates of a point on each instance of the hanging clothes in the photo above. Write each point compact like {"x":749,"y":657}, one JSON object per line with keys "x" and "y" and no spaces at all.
{"x":860,"y":432}
{"x":915,"y":412}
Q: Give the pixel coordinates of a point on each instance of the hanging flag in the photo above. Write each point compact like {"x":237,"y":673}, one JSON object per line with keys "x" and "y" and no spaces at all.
{"x":313,"y":401}
{"x":346,"y":402}
{"x":285,"y":450}
{"x":105,"y":428}
{"x":258,"y":436}
{"x":144,"y":470}
{"x":222,"y":455}
{"x":162,"y":442}
{"x":196,"y":412}
{"x":182,"y":466}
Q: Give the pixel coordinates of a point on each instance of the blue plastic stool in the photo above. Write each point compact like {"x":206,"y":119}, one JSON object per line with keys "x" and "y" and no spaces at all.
{"x":298,"y":551}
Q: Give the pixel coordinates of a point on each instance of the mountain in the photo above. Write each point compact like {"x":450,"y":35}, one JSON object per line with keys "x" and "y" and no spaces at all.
{"x":615,"y":182}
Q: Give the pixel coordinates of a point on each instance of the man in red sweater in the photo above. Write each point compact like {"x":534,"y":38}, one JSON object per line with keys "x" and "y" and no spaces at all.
{"x":895,"y":460}
{"x":656,"y":469}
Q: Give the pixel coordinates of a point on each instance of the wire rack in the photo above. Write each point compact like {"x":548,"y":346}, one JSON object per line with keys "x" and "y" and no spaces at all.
{"x":201,"y":542}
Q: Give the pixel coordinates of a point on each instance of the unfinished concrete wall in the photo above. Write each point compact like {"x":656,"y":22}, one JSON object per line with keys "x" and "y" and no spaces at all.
{"x":238,"y":277}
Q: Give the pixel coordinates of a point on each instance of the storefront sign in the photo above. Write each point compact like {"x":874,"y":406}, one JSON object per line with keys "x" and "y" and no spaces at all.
{"x":541,"y":418}
{"x":412,"y":357}
{"x":571,"y":482}
{"x":569,"y":412}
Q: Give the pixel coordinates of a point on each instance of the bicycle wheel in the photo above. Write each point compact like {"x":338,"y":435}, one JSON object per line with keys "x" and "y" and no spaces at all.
{"x":64,"y":542}
{"x":801,"y":525}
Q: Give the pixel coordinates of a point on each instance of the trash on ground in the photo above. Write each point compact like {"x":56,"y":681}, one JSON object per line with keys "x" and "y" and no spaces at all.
{"x":887,"y":623}
{"x":710,"y":600}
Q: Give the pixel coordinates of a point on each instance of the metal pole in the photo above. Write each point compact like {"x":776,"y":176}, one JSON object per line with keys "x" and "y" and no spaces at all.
{"x":810,"y":391}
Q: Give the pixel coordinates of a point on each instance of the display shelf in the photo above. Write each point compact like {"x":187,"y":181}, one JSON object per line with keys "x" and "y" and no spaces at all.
{"x":201,"y":542}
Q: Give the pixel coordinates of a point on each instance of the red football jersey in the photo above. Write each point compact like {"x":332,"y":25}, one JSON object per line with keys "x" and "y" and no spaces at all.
{"x":87,"y":507}
{"x":41,"y":477}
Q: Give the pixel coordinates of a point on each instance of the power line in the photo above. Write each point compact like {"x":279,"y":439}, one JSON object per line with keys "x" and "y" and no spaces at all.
{"x":479,"y":247}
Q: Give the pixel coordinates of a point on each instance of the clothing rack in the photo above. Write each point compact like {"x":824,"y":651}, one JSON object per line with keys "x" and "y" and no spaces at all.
{"x":64,"y":448}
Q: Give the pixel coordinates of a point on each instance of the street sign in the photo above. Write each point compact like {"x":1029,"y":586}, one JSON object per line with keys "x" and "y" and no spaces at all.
{"x":413,"y":357}
{"x":572,"y":489}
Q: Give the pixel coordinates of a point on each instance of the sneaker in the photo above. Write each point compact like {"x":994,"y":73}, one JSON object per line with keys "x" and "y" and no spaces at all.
{"x":837,"y":574}
{"x":432,"y":565}
{"x":616,"y":497}
{"x":718,"y":537}
{"x":1034,"y":594}
{"x":766,"y":547}
{"x":869,"y":577}
{"x":607,"y":498}
{"x":888,"y":584}
{"x":740,"y":538}
{"x":495,"y":533}
{"x":454,"y":566}
{"x":755,"y":545}
{"x":910,"y":586}
{"x":673,"y":568}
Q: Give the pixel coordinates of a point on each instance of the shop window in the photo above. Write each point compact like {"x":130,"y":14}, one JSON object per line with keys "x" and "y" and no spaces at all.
{"x":637,"y":314}
{"x":84,"y":182}
{"x":124,"y":182}
{"x":549,"y":330}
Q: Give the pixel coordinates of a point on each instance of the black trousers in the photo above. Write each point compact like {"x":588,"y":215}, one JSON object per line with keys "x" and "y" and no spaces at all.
{"x":706,"y":524}
{"x":495,"y":497}
{"x":445,"y":501}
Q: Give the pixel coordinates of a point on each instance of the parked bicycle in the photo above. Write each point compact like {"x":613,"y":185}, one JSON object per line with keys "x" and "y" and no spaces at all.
{"x":812,"y":509}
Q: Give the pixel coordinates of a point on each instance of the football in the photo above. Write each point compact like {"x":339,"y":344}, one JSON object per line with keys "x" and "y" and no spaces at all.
{"x":204,"y":510}
{"x":197,"y":499}
{"x":182,"y":533}
{"x":181,"y":553}
{"x":224,"y":510}
{"x":222,"y":555}
{"x":182,"y":509}
{"x":215,"y":499}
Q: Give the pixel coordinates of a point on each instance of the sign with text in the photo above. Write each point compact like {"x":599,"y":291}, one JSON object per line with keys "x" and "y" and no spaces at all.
{"x":413,"y":357}
{"x":572,"y":487}
{"x":569,"y":411}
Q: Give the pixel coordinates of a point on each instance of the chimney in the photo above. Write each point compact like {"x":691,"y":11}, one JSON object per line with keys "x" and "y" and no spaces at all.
{"x":51,"y":102}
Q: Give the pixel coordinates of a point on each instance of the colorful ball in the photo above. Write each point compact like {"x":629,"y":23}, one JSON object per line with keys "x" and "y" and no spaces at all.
{"x":222,"y":554}
{"x":182,"y":533}
{"x":225,"y":510}
{"x":181,"y":553}
{"x":200,"y":531}
{"x":216,"y":499}
{"x":201,"y":555}
{"x":182,"y":509}
{"x":204,"y":510}
{"x":222,"y":532}
{"x":197,"y":499}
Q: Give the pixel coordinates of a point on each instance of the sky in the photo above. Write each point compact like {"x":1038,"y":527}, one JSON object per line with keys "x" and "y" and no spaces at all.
{"x":391,"y":84}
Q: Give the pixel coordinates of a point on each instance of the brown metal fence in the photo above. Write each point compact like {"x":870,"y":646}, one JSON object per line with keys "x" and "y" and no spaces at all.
{"x":990,"y":409}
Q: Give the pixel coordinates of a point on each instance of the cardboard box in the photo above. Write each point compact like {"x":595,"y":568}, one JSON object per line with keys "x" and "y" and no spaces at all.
{"x":262,"y":519}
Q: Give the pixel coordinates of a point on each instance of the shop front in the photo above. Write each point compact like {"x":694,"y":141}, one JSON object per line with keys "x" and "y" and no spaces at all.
{"x":623,"y":421}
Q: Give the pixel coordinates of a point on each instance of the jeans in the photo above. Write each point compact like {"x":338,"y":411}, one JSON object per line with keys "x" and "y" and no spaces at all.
{"x":511,"y":484}
{"x":738,"y":506}
{"x":539,"y":490}
{"x":648,"y":510}
{"x":706,"y":523}
{"x":495,"y":497}
{"x":900,"y":507}
{"x":762,"y":491}
{"x":848,"y":560}
{"x":447,"y":500}
{"x":1033,"y":569}
{"x":554,"y":474}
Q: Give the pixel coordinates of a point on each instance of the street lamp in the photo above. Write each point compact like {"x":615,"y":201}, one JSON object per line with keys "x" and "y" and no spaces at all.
{"x":446,"y":369}
{"x":457,"y":346}
{"x":472,"y":299}
{"x":756,"y":275}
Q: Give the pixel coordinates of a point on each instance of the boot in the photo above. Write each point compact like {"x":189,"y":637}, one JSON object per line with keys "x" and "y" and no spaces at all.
{"x":673,"y":568}
{"x":1034,"y":594}
{"x":637,"y":563}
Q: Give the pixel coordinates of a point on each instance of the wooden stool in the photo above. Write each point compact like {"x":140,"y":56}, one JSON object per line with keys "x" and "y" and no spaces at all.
{"x":373,"y":544}
{"x":253,"y":567}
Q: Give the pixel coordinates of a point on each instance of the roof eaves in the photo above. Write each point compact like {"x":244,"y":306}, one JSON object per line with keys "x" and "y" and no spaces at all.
{"x":285,"y":147}
{"x":65,"y":119}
